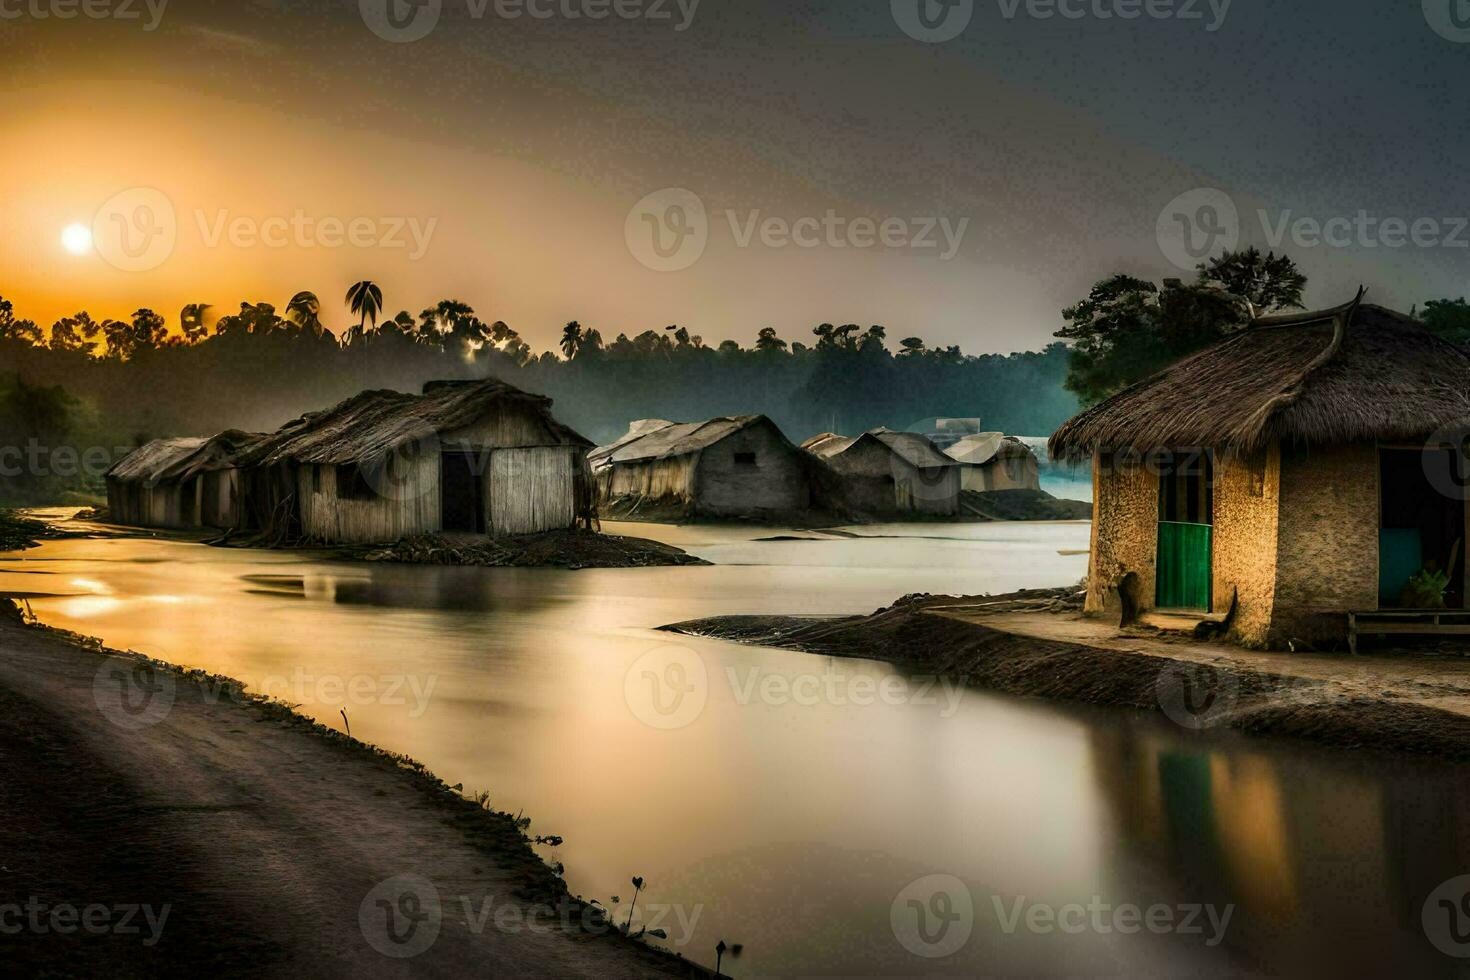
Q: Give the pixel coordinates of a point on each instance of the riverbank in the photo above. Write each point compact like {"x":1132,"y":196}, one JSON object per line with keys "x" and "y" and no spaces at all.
{"x":1035,"y":645}
{"x":166,"y":822}
{"x":571,"y":549}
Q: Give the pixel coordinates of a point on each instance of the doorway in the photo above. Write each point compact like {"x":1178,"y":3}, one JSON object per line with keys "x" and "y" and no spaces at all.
{"x":1421,"y":536}
{"x":1186,"y":531}
{"x":462,"y":493}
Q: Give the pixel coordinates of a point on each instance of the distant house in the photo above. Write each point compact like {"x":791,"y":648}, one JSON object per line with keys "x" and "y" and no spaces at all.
{"x":735,"y":467}
{"x":140,"y":491}
{"x":995,"y":461}
{"x":1288,"y":479}
{"x":477,"y":457}
{"x":891,"y":473}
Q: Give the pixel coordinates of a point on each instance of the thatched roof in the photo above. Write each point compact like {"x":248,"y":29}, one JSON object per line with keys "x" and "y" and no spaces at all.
{"x":215,"y":453}
{"x":1349,"y":374}
{"x":373,"y":423}
{"x":977,"y":450}
{"x":911,"y":447}
{"x":650,"y":439}
{"x":147,"y":464}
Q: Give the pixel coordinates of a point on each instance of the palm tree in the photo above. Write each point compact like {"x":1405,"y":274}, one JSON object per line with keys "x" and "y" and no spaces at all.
{"x":304,"y":311}
{"x":571,"y":339}
{"x":365,"y":300}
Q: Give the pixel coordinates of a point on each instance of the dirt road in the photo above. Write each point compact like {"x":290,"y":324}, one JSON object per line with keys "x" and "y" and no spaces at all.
{"x":157,"y":826}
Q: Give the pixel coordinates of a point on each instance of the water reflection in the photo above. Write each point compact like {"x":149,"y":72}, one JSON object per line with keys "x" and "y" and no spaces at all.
{"x":792,"y":823}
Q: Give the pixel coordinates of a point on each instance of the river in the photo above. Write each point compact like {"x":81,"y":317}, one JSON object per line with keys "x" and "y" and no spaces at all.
{"x":834,"y":817}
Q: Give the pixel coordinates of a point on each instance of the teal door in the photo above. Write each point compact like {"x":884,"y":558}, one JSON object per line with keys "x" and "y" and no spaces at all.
{"x":1184,"y":566}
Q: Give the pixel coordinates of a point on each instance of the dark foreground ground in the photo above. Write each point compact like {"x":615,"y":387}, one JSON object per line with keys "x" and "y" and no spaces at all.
{"x":164,"y":824}
{"x":1401,"y":703}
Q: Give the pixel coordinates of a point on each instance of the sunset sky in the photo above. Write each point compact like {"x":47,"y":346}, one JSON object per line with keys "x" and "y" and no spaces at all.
{"x":518,"y":148}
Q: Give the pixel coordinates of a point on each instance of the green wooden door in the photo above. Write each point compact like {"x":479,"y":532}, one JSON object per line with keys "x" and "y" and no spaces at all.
{"x":1184,"y":566}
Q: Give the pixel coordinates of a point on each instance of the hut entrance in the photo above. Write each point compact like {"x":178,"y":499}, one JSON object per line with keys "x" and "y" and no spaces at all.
{"x":462,"y":493}
{"x":1421,"y":537}
{"x":1186,"y":531}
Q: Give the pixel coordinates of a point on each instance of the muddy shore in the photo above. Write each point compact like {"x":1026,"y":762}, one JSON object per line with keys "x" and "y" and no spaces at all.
{"x":1219,"y":689}
{"x":237,"y":837}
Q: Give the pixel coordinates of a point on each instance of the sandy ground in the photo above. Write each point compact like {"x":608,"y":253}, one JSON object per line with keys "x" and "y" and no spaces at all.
{"x":1437,"y":681}
{"x":245,"y":841}
{"x":1403,"y":703}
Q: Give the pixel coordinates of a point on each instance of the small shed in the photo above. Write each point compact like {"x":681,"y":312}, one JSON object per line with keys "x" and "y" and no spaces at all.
{"x":472,"y":457}
{"x":729,"y":467}
{"x":140,"y":491}
{"x":995,"y":461}
{"x":1285,"y":480}
{"x":891,"y":473}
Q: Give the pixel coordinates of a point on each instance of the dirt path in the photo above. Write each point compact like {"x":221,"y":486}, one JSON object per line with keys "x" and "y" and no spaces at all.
{"x":158,"y":826}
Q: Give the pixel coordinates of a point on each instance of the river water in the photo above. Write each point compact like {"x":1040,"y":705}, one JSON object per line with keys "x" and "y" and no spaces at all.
{"x":834,"y":817}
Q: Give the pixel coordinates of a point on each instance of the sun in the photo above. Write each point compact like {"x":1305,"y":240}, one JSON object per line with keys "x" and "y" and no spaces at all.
{"x":77,"y":239}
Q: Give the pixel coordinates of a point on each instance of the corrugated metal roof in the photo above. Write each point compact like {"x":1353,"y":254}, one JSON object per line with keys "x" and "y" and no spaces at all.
{"x":671,"y":440}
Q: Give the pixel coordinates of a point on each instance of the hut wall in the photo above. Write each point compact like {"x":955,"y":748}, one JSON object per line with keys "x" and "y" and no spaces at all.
{"x":406,"y":502}
{"x":1125,"y":529}
{"x":219,"y":496}
{"x":1327,"y":545}
{"x":531,"y":490}
{"x":1247,"y":505}
{"x":658,"y":479}
{"x":751,"y":473}
{"x":877,"y":479}
{"x":1011,"y":473}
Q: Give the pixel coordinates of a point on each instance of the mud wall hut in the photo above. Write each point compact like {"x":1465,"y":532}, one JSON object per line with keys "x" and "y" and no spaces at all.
{"x":140,"y":492}
{"x":891,"y":473}
{"x":995,"y":461}
{"x":1303,"y":469}
{"x":477,"y":457}
{"x":730,"y":467}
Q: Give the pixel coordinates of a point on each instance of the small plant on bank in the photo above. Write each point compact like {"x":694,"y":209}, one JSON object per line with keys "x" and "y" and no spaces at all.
{"x":1426,"y":589}
{"x":721,"y":949}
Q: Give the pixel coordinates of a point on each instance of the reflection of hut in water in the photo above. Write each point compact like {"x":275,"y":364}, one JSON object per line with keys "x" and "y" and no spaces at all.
{"x":891,"y":473}
{"x":995,"y":461}
{"x":1233,"y":481}
{"x":737,"y":467}
{"x":139,"y":492}
{"x":477,"y":457}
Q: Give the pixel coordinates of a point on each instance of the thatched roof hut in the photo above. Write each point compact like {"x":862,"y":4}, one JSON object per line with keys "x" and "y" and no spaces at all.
{"x":996,"y":461}
{"x":140,"y":491}
{"x":891,"y":473}
{"x":729,"y":467}
{"x":463,"y":456}
{"x":1289,"y":478}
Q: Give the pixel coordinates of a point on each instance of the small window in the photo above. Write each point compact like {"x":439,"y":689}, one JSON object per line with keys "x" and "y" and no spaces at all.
{"x":745,"y":459}
{"x":353,"y":484}
{"x":316,"y":479}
